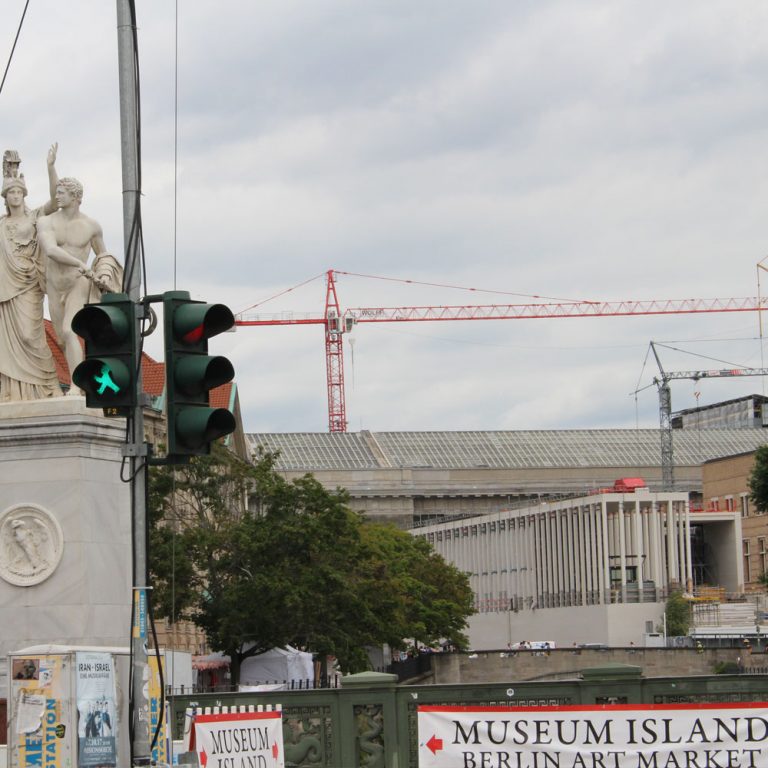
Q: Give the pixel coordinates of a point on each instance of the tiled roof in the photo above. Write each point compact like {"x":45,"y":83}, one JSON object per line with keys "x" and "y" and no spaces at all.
{"x":221,"y":396}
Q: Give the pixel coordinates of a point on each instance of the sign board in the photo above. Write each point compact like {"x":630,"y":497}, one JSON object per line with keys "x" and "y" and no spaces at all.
{"x":721,"y":735}
{"x":239,"y":740}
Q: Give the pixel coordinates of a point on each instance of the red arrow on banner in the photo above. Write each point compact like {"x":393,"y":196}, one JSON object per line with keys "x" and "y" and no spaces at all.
{"x":203,"y":759}
{"x":275,"y":750}
{"x":435,"y":744}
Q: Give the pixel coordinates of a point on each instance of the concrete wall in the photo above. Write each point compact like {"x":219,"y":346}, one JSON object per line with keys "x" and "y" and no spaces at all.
{"x":498,"y":666}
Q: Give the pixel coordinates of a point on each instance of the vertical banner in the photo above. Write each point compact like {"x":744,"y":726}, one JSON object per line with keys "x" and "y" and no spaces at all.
{"x":96,"y":709}
{"x":253,"y":739}
{"x":154,"y":695}
{"x":41,"y":710}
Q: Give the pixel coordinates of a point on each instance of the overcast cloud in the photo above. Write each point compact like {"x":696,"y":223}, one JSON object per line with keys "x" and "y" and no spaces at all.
{"x":597,"y":149}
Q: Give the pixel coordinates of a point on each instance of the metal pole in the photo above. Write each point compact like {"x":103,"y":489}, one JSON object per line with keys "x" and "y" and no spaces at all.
{"x":136,"y":448}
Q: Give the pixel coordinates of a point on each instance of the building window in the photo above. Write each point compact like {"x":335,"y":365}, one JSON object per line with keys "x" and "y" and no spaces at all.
{"x":747,"y":572}
{"x":744,"y":505}
{"x":762,"y":555}
{"x":729,"y":504}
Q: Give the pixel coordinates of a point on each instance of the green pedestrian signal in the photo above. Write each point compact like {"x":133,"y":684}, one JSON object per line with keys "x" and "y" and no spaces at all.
{"x":105,"y":381}
{"x":109,"y":373}
{"x":191,"y":373}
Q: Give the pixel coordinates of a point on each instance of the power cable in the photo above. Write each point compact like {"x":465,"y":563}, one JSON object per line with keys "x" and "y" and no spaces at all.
{"x":13,"y":47}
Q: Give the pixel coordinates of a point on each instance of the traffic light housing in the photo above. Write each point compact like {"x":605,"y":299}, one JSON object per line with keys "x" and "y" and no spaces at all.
{"x":191,"y":373}
{"x":108,"y":373}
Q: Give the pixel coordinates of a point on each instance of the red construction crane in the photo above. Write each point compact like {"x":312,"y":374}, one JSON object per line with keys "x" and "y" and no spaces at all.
{"x":337,"y":323}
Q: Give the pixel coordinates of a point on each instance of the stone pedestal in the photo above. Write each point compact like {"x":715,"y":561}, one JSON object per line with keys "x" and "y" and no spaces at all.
{"x":65,"y":528}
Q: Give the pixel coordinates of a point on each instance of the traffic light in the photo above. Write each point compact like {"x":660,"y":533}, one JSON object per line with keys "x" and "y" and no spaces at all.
{"x":191,"y":373}
{"x":108,"y":374}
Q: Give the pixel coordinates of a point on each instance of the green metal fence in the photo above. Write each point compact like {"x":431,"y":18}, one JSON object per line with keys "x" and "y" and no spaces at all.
{"x":371,"y":721}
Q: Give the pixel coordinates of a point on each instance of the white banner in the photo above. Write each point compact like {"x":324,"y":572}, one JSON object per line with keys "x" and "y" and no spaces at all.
{"x":239,"y":740}
{"x":620,"y":736}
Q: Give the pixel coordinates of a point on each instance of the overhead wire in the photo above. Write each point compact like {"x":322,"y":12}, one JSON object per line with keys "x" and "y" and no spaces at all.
{"x":13,"y":47}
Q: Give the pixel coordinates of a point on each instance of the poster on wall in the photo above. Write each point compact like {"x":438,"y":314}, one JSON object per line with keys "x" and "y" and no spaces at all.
{"x":712,"y":735}
{"x":40,"y":712}
{"x":235,"y":739}
{"x":96,"y":710}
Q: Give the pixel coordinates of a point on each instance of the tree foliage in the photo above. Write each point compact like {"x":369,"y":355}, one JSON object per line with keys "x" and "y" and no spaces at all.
{"x":260,"y":562}
{"x":678,"y":613}
{"x":758,"y":479}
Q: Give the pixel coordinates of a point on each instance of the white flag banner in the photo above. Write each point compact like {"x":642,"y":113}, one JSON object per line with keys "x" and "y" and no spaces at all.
{"x":239,"y":740}
{"x":713,"y":735}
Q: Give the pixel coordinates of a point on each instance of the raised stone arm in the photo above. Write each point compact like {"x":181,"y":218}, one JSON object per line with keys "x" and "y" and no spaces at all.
{"x":53,"y":179}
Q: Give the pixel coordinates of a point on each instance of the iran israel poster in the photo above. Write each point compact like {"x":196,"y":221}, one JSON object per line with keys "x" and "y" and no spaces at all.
{"x":720,"y":735}
{"x":239,"y":740}
{"x":96,"y":710}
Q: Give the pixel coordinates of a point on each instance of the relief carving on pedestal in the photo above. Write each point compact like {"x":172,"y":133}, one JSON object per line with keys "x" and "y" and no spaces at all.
{"x":31,"y":545}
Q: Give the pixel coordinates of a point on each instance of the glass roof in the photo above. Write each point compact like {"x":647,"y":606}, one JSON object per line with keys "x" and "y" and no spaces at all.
{"x":503,"y":450}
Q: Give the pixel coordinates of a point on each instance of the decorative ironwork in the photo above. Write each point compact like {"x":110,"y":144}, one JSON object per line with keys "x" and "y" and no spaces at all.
{"x":369,"y":719}
{"x":307,"y":737}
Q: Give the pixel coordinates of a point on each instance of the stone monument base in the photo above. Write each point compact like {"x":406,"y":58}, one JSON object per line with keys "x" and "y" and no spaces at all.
{"x":65,"y":527}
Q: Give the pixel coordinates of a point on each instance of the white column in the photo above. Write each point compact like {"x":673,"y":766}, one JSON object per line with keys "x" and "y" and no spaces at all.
{"x":639,"y":550}
{"x":622,"y":552}
{"x":671,"y":541}
{"x":605,"y":589}
{"x":582,"y":555}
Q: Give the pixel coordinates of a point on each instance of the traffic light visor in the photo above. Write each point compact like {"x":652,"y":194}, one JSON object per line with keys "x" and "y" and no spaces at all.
{"x":101,"y":325}
{"x":196,"y":375}
{"x":194,"y":322}
{"x":196,"y":427}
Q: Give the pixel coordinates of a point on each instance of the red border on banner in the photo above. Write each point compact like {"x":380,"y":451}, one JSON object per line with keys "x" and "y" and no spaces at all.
{"x":230,"y":716}
{"x":592,"y":707}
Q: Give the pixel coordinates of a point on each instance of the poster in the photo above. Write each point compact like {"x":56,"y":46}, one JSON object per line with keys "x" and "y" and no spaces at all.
{"x":239,"y":740}
{"x":40,"y":712}
{"x":154,"y":693}
{"x":96,"y":710}
{"x":732,"y":735}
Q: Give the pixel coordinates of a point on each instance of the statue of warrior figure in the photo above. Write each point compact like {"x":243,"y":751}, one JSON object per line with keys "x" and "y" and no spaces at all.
{"x":27,"y":370}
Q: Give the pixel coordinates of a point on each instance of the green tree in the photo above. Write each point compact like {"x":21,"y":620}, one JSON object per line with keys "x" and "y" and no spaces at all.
{"x":758,"y":479}
{"x":298,"y":567}
{"x":678,"y":613}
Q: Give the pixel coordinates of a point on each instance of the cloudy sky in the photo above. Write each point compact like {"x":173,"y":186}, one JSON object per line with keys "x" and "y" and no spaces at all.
{"x":584,"y":149}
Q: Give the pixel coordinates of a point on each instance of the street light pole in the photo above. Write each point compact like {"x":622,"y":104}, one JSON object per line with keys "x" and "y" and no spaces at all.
{"x":135,"y":448}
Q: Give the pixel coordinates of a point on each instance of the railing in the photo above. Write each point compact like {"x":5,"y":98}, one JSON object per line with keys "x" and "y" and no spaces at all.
{"x":371,"y":722}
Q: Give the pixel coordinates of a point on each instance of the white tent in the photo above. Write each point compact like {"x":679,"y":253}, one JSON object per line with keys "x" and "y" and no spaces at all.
{"x":278,"y":665}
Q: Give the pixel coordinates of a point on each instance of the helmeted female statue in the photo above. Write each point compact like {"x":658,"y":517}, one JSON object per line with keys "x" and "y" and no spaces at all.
{"x":27,"y":370}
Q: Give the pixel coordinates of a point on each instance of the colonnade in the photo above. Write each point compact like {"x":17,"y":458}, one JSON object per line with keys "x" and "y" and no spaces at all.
{"x":604,"y":548}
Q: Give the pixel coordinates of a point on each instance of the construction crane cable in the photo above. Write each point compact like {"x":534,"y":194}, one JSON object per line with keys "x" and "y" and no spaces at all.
{"x":704,"y":357}
{"x":282,"y":293}
{"x":465,"y":288}
{"x":13,"y":47}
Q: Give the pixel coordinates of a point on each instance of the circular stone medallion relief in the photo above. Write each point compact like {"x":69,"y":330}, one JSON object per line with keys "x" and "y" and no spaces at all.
{"x":31,"y":545}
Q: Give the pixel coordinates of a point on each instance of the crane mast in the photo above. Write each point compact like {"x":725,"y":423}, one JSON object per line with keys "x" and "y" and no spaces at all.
{"x":665,"y":406}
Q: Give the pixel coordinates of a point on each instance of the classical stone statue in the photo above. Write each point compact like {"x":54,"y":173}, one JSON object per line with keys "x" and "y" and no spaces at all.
{"x":27,"y":370}
{"x":67,"y":238}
